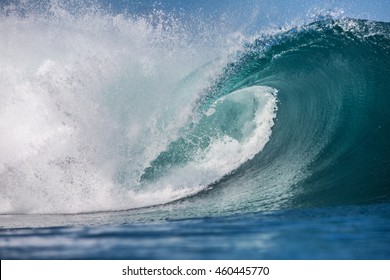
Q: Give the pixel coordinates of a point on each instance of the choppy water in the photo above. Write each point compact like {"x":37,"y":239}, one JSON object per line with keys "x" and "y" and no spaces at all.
{"x":352,"y":232}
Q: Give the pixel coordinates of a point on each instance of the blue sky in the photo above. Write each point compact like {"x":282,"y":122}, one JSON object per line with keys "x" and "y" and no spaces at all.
{"x":250,"y":16}
{"x":274,"y":10}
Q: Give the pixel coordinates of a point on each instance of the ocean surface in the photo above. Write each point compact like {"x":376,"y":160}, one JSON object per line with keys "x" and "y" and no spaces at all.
{"x":160,"y":133}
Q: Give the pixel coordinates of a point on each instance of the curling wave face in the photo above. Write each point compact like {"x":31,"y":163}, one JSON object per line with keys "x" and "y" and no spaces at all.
{"x":328,"y":146}
{"x":105,"y":113}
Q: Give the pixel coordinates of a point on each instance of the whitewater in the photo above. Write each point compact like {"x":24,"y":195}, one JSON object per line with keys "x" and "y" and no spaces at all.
{"x":89,"y":102}
{"x":137,"y":126}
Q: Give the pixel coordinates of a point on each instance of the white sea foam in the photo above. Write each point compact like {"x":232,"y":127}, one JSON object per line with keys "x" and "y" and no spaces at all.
{"x":225,"y":153}
{"x":87,"y":102}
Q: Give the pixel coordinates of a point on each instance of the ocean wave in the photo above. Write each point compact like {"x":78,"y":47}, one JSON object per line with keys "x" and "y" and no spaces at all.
{"x":108,"y":112}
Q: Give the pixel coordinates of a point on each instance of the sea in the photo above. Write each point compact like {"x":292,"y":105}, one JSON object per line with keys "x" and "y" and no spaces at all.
{"x":194,"y":130}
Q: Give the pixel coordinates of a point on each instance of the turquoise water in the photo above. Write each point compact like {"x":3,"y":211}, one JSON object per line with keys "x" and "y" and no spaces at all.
{"x":134,"y":136}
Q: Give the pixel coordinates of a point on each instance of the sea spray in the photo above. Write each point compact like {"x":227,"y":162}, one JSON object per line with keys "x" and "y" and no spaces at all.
{"x":90,"y":100}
